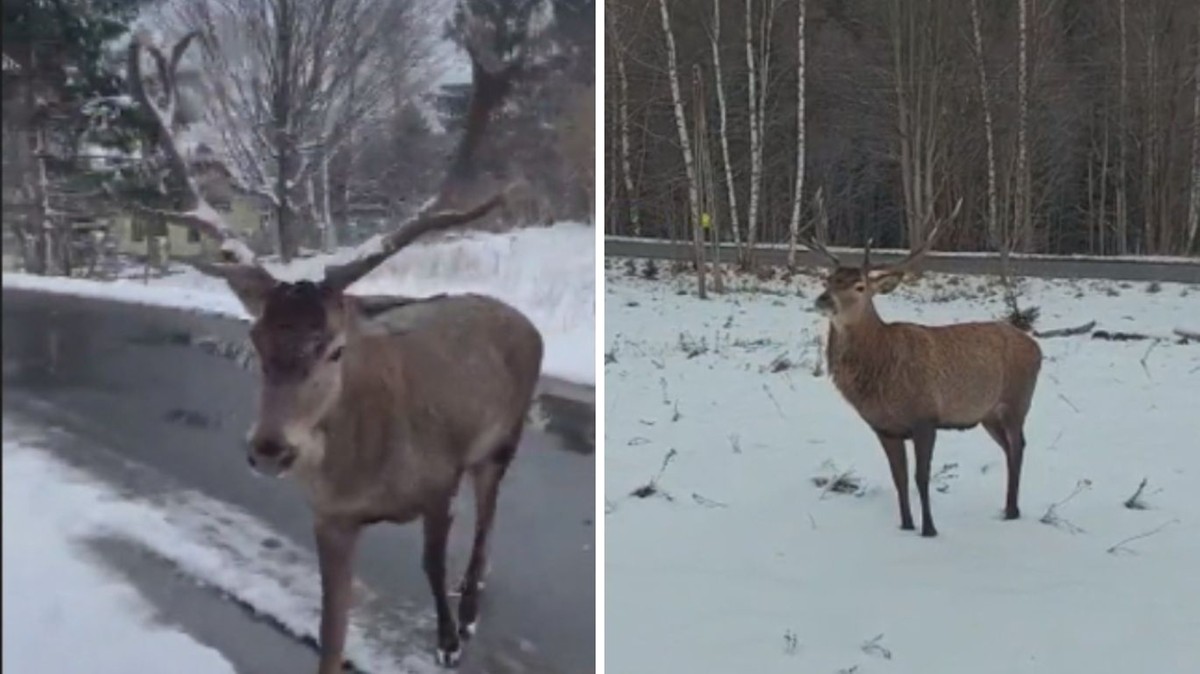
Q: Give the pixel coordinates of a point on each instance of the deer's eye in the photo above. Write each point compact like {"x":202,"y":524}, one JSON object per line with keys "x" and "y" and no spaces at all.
{"x":336,"y":354}
{"x":859,"y":287}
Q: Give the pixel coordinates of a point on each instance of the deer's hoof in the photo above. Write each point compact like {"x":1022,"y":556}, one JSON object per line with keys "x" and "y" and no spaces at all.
{"x":907,"y":526}
{"x":449,"y":657}
{"x":928,"y":531}
{"x":1012,"y":514}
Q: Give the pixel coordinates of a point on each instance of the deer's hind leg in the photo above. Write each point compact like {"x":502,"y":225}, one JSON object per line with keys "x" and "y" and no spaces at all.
{"x":437,"y":520}
{"x":1010,"y":435}
{"x":486,"y":477}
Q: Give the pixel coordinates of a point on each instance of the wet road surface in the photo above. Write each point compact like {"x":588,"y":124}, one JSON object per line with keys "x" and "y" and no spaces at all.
{"x":172,"y":391}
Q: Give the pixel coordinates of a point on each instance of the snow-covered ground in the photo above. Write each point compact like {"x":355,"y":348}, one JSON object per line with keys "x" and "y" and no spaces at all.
{"x":546,"y":272}
{"x":737,"y":562}
{"x":63,"y":608}
{"x":60,"y":608}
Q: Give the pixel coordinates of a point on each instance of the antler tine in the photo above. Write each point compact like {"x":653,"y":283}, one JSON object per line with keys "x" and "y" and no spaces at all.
{"x":200,"y":216}
{"x":342,"y":276}
{"x":811,"y":243}
{"x":818,"y":247}
{"x":920,"y":251}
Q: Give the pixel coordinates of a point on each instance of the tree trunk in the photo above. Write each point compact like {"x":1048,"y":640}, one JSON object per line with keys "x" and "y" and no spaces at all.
{"x":1123,"y":138}
{"x":752,"y":103}
{"x":1193,"y":226}
{"x":623,"y":129}
{"x":1023,"y":215}
{"x":703,"y":184}
{"x":994,"y":235}
{"x":730,"y":186}
{"x":798,"y":195}
{"x":285,"y":140}
{"x":680,"y":117}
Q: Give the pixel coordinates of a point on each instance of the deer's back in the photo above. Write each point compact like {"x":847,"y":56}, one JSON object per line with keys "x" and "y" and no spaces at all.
{"x":439,"y":384}
{"x":953,"y":375}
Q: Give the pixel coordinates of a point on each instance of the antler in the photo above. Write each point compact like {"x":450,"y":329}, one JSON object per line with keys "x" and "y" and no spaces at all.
{"x":342,"y":276}
{"x":920,"y":251}
{"x":813,"y":244}
{"x":200,"y":216}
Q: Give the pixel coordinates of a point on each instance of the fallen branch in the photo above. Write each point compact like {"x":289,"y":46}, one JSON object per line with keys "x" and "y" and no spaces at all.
{"x":1067,"y":332}
{"x":651,"y":488}
{"x":1120,"y":336}
{"x":1146,"y":355}
{"x":1188,"y":335}
{"x":874,"y":647}
{"x":1121,"y":545}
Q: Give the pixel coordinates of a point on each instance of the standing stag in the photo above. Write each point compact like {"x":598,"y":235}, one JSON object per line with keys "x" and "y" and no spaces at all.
{"x":377,"y":407}
{"x":907,"y":381}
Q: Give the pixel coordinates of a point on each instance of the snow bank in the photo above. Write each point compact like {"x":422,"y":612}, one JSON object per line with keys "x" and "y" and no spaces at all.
{"x":548,"y":273}
{"x":736,"y":561}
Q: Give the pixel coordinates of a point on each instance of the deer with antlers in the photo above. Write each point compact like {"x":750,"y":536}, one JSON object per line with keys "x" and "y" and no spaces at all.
{"x":907,"y":381}
{"x":376,"y":406}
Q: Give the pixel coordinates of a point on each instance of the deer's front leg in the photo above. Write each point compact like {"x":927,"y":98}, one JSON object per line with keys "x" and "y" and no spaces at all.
{"x":335,"y":554}
{"x":437,"y":533}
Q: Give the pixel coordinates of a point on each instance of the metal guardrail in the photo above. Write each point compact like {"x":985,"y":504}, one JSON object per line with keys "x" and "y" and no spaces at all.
{"x":1177,"y":270}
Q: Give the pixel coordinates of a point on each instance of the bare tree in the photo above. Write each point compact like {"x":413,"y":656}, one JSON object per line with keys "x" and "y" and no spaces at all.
{"x":758,"y":59}
{"x":993,"y":232}
{"x":730,"y":187}
{"x":290,"y":83}
{"x":623,"y":122}
{"x":681,"y":124}
{"x":1194,"y":200}
{"x":798,"y":194}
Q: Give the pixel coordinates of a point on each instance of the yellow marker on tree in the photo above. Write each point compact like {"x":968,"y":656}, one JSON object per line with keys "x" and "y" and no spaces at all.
{"x":705,"y":221}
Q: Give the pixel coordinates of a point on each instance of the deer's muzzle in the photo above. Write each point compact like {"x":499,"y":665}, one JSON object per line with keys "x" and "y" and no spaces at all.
{"x":824,"y":303}
{"x":271,"y":456}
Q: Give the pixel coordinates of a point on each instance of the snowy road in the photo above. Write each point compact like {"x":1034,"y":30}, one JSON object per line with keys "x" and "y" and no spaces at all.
{"x":151,"y":404}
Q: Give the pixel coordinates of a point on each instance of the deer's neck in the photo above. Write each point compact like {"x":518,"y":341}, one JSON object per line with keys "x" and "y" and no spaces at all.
{"x":858,"y":354}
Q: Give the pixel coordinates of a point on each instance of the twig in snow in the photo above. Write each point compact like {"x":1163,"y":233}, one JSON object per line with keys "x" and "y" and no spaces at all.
{"x":941,"y":479}
{"x":1052,"y":517}
{"x":1147,"y":355}
{"x":1188,"y":335}
{"x":1067,"y":332}
{"x":736,"y":442}
{"x":662,"y":382}
{"x":841,"y":482}
{"x":707,"y":502}
{"x":791,"y":643}
{"x":1121,"y":545}
{"x":1068,"y":401}
{"x":1135,"y":502}
{"x":813,"y":521}
{"x":676,"y":416}
{"x":651,"y":488}
{"x":852,"y":669}
{"x":772,"y":397}
{"x":873,"y":647}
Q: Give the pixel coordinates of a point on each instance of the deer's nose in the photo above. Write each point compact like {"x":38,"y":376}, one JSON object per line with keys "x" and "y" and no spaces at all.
{"x":824,"y":302}
{"x":271,"y":451}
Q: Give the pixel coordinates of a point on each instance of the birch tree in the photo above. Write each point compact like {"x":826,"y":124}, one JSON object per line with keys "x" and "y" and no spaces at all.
{"x":723,"y":122}
{"x":798,"y":194}
{"x":1194,"y":200}
{"x":993,"y":231}
{"x":681,"y":124}
{"x":758,"y":58}
{"x":623,"y":125}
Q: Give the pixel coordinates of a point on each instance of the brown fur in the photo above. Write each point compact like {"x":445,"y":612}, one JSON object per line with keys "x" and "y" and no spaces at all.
{"x":378,"y":407}
{"x":907,"y":380}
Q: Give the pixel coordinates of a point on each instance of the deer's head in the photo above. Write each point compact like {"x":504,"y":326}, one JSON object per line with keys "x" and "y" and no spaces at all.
{"x":300,"y":333}
{"x":850,"y":291}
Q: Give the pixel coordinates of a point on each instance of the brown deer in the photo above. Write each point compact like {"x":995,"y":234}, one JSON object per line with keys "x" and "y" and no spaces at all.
{"x":907,"y":381}
{"x":376,"y":406}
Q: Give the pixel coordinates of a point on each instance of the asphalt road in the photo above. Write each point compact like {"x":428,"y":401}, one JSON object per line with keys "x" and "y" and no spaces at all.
{"x":1117,"y":269}
{"x":164,"y":390}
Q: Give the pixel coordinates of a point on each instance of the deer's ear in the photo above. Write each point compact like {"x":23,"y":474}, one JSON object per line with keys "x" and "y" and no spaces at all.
{"x":884,"y":282}
{"x":251,"y":283}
